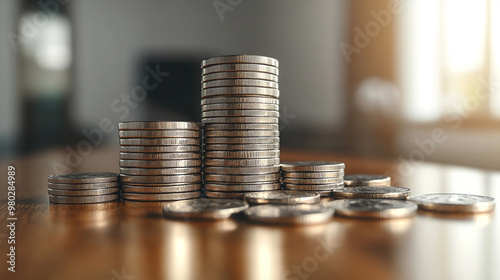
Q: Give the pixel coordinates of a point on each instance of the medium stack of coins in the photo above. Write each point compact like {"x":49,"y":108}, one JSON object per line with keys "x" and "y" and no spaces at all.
{"x":240,"y":114}
{"x":160,"y":161}
{"x":80,"y":188}
{"x":320,"y":177}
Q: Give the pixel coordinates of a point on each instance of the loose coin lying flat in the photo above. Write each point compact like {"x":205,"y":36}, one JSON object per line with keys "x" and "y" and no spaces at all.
{"x":242,"y":147}
{"x":356,"y":180}
{"x":223,"y":187}
{"x":454,"y":202}
{"x":159,"y":149}
{"x":160,"y":171}
{"x":239,"y":83}
{"x":159,"y":125}
{"x":241,"y":126}
{"x":289,"y":214}
{"x":372,"y":192}
{"x":83,"y":178}
{"x":239,"y":99}
{"x":242,"y":170}
{"x":320,"y":187}
{"x":242,"y":133}
{"x":90,"y":186}
{"x":160,"y":156}
{"x":242,"y":140}
{"x":204,"y":208}
{"x":92,"y":192}
{"x":240,"y":58}
{"x":282,"y":197}
{"x":315,"y":175}
{"x":240,"y":67}
{"x":83,"y":199}
{"x":312,"y":181}
{"x":159,"y":141}
{"x":161,"y":188}
{"x":160,"y":196}
{"x":240,"y":91}
{"x":160,"y":163}
{"x":170,"y":179}
{"x":242,"y":154}
{"x":240,"y":106}
{"x":239,"y":75}
{"x":373,"y":208}
{"x":242,"y":178}
{"x":241,"y":162}
{"x":158,"y":134}
{"x":310,"y":166}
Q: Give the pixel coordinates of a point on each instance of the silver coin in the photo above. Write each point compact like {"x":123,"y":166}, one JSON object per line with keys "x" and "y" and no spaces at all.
{"x":242,"y":140}
{"x":373,"y":208}
{"x":242,"y":154}
{"x":240,"y":106}
{"x":356,"y":180}
{"x":83,"y":199}
{"x":248,"y":187}
{"x":91,"y":192}
{"x":160,"y":141}
{"x":252,"y":178}
{"x":242,"y":170}
{"x":323,"y":187}
{"x":160,"y":163}
{"x":312,"y":181}
{"x":204,"y":208}
{"x":372,"y":192}
{"x":242,"y":133}
{"x":225,"y":195}
{"x":239,"y":75}
{"x":239,"y":99}
{"x":170,"y":179}
{"x":240,"y":67}
{"x":242,"y":147}
{"x":317,"y":175}
{"x":159,"y":125}
{"x":242,"y":126}
{"x":160,"y":171}
{"x":239,"y":83}
{"x":454,"y":202}
{"x":161,"y":188}
{"x":89,"y":186}
{"x":325,"y":193}
{"x":289,"y":214}
{"x":83,"y":178}
{"x":241,"y":58}
{"x":312,"y":166}
{"x":282,"y":197}
{"x":160,"y":156}
{"x":240,"y":113}
{"x":159,"y":149}
{"x":241,"y":162}
{"x":240,"y":91}
{"x":158,"y":134}
{"x":160,"y":196}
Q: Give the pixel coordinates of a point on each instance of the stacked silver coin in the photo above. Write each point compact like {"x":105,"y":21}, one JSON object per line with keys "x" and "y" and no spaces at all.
{"x":240,"y":114}
{"x":80,"y":188}
{"x":321,"y":177}
{"x":160,"y":161}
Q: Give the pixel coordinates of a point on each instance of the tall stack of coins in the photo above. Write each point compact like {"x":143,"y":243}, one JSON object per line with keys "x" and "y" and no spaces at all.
{"x":321,"y":177}
{"x":160,"y":161}
{"x":240,"y":113}
{"x":79,"y":188}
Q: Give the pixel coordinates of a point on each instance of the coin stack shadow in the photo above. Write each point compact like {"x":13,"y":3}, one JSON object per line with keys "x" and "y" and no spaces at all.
{"x":83,"y":188}
{"x":240,"y":115}
{"x":160,"y":161}
{"x":319,"y":177}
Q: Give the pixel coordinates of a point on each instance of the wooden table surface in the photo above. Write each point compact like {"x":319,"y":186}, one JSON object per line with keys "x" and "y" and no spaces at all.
{"x":127,"y":240}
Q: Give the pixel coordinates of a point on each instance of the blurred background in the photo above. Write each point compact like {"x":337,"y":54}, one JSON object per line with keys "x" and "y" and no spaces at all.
{"x":418,"y":80}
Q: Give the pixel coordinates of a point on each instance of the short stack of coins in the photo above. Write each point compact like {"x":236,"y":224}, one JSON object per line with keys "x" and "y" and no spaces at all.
{"x":240,"y":115}
{"x":82,"y":188}
{"x":160,"y":161}
{"x":321,"y":177}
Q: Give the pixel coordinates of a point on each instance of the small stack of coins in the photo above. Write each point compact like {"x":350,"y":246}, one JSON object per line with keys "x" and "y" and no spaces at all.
{"x":364,"y":180}
{"x":240,"y":114}
{"x":160,"y":161}
{"x":320,"y":177}
{"x":79,"y":188}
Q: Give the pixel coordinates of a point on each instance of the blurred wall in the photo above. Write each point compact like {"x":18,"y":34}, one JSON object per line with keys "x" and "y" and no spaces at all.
{"x":111,"y":36}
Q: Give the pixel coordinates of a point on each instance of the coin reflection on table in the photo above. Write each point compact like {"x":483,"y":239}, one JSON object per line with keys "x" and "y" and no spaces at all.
{"x":92,"y":215}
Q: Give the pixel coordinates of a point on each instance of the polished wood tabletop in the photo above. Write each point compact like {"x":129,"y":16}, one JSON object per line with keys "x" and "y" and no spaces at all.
{"x":131,"y":240}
